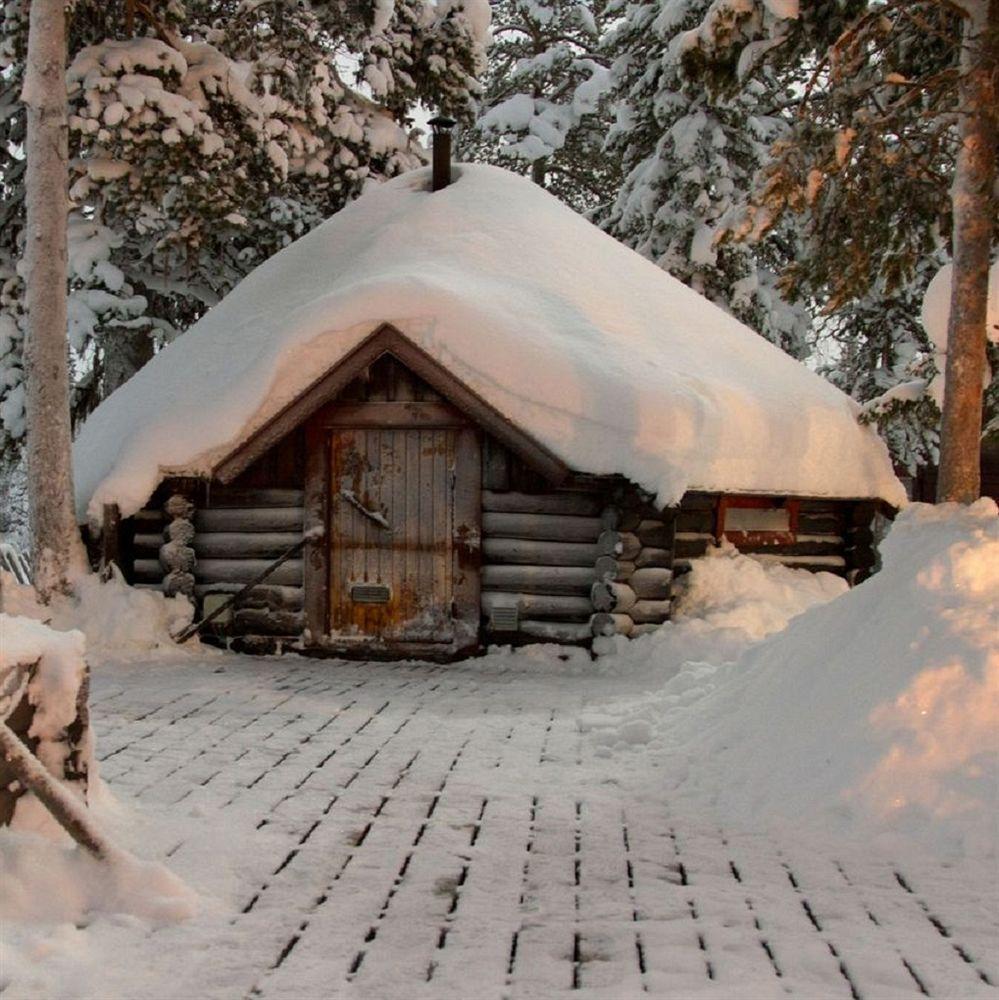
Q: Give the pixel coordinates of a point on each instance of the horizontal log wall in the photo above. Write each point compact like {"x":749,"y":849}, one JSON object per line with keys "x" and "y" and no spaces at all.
{"x":821,"y":543}
{"x":587,"y":561}
{"x":239,"y":531}
{"x":539,"y":551}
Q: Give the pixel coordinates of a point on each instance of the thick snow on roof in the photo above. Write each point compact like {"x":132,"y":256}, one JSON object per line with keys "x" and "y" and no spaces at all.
{"x":608,"y":361}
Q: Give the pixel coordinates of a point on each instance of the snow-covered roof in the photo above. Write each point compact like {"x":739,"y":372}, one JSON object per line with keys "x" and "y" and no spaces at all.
{"x":602,"y":357}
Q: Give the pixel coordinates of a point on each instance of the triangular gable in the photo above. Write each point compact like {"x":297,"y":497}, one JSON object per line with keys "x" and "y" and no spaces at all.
{"x":386,"y":339}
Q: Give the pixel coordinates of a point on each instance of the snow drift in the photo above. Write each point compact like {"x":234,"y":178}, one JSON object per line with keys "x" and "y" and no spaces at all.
{"x":879,"y":709}
{"x":115,"y":618}
{"x":729,"y":590}
{"x":45,"y":880}
{"x":726,"y":603}
{"x":608,"y":361}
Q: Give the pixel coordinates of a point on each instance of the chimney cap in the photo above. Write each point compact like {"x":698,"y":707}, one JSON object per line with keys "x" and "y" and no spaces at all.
{"x":441,"y":123}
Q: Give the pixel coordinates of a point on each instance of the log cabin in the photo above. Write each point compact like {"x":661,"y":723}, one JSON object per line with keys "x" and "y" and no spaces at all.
{"x":457,"y":414}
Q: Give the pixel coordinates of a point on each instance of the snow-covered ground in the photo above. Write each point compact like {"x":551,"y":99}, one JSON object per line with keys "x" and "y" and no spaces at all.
{"x":697,"y":814}
{"x":381,"y":830}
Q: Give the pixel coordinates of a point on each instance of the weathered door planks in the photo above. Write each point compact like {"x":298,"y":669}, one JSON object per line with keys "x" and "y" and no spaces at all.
{"x":425,"y":482}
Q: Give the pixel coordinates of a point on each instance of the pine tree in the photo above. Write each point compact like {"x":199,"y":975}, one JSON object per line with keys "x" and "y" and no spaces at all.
{"x":891,"y":153}
{"x":881,"y":355}
{"x":204,"y":137}
{"x":543,"y":110}
{"x":689,"y":154}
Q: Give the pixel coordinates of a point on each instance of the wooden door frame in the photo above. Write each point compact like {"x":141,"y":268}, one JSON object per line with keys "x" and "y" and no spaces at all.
{"x":466,"y":542}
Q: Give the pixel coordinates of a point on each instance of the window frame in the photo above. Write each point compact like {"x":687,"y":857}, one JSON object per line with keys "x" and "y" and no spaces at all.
{"x":738,"y":537}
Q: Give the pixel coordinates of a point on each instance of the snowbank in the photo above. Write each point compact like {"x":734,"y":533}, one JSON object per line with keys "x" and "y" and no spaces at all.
{"x":729,"y":590}
{"x":114,"y":617}
{"x":727,"y":601}
{"x":47,"y":883}
{"x":607,"y":360}
{"x":44,"y":880}
{"x":53,"y":898}
{"x":724,"y":605}
{"x":878,"y":710}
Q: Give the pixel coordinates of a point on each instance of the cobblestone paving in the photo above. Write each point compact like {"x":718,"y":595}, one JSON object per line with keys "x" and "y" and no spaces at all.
{"x":386,"y":830}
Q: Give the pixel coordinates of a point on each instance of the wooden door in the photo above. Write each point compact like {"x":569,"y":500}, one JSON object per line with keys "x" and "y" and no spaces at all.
{"x":394,"y":570}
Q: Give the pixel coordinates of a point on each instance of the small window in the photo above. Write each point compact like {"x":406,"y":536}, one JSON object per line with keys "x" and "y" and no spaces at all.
{"x":757,"y":520}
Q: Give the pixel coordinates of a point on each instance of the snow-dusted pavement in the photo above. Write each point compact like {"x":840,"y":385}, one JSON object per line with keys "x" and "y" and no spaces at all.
{"x":385,"y":830}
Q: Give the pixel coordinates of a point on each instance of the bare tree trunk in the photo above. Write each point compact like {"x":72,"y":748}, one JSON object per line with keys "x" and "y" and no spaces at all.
{"x":974,"y":218}
{"x":58,"y":551}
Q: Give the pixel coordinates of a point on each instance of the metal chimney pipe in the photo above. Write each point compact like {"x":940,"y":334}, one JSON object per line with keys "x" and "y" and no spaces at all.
{"x":441,"y":127}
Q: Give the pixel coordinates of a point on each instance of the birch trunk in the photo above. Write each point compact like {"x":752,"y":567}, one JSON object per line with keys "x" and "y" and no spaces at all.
{"x":974,"y":218}
{"x":57,"y":548}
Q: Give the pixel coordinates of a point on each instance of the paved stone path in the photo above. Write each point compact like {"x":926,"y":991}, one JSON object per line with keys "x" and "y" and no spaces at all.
{"x":385,"y":830}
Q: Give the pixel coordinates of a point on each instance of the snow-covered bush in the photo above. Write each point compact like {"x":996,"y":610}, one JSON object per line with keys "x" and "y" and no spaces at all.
{"x":43,"y":696}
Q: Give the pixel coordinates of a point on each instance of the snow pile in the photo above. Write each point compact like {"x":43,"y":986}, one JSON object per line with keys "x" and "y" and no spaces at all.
{"x":883,"y":705}
{"x":731,"y":590}
{"x":605,"y":359}
{"x":114,"y":617}
{"x":724,"y":604}
{"x":53,"y":897}
{"x":53,"y":686}
{"x":879,"y":709}
{"x":48,"y":668}
{"x":61,"y":669}
{"x":45,"y":882}
{"x":727,"y":601}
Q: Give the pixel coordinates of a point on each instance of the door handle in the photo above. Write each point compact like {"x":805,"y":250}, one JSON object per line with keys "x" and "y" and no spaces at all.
{"x":374,"y":515}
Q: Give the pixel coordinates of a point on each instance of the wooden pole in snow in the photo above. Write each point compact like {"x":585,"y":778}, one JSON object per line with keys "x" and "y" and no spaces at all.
{"x":68,"y":811}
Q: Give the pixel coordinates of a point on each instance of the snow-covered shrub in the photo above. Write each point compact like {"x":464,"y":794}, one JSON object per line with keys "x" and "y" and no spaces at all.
{"x":43,"y":697}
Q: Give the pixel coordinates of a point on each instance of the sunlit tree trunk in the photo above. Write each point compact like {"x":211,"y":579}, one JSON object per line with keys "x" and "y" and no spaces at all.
{"x":974,"y":219}
{"x":58,"y":551}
